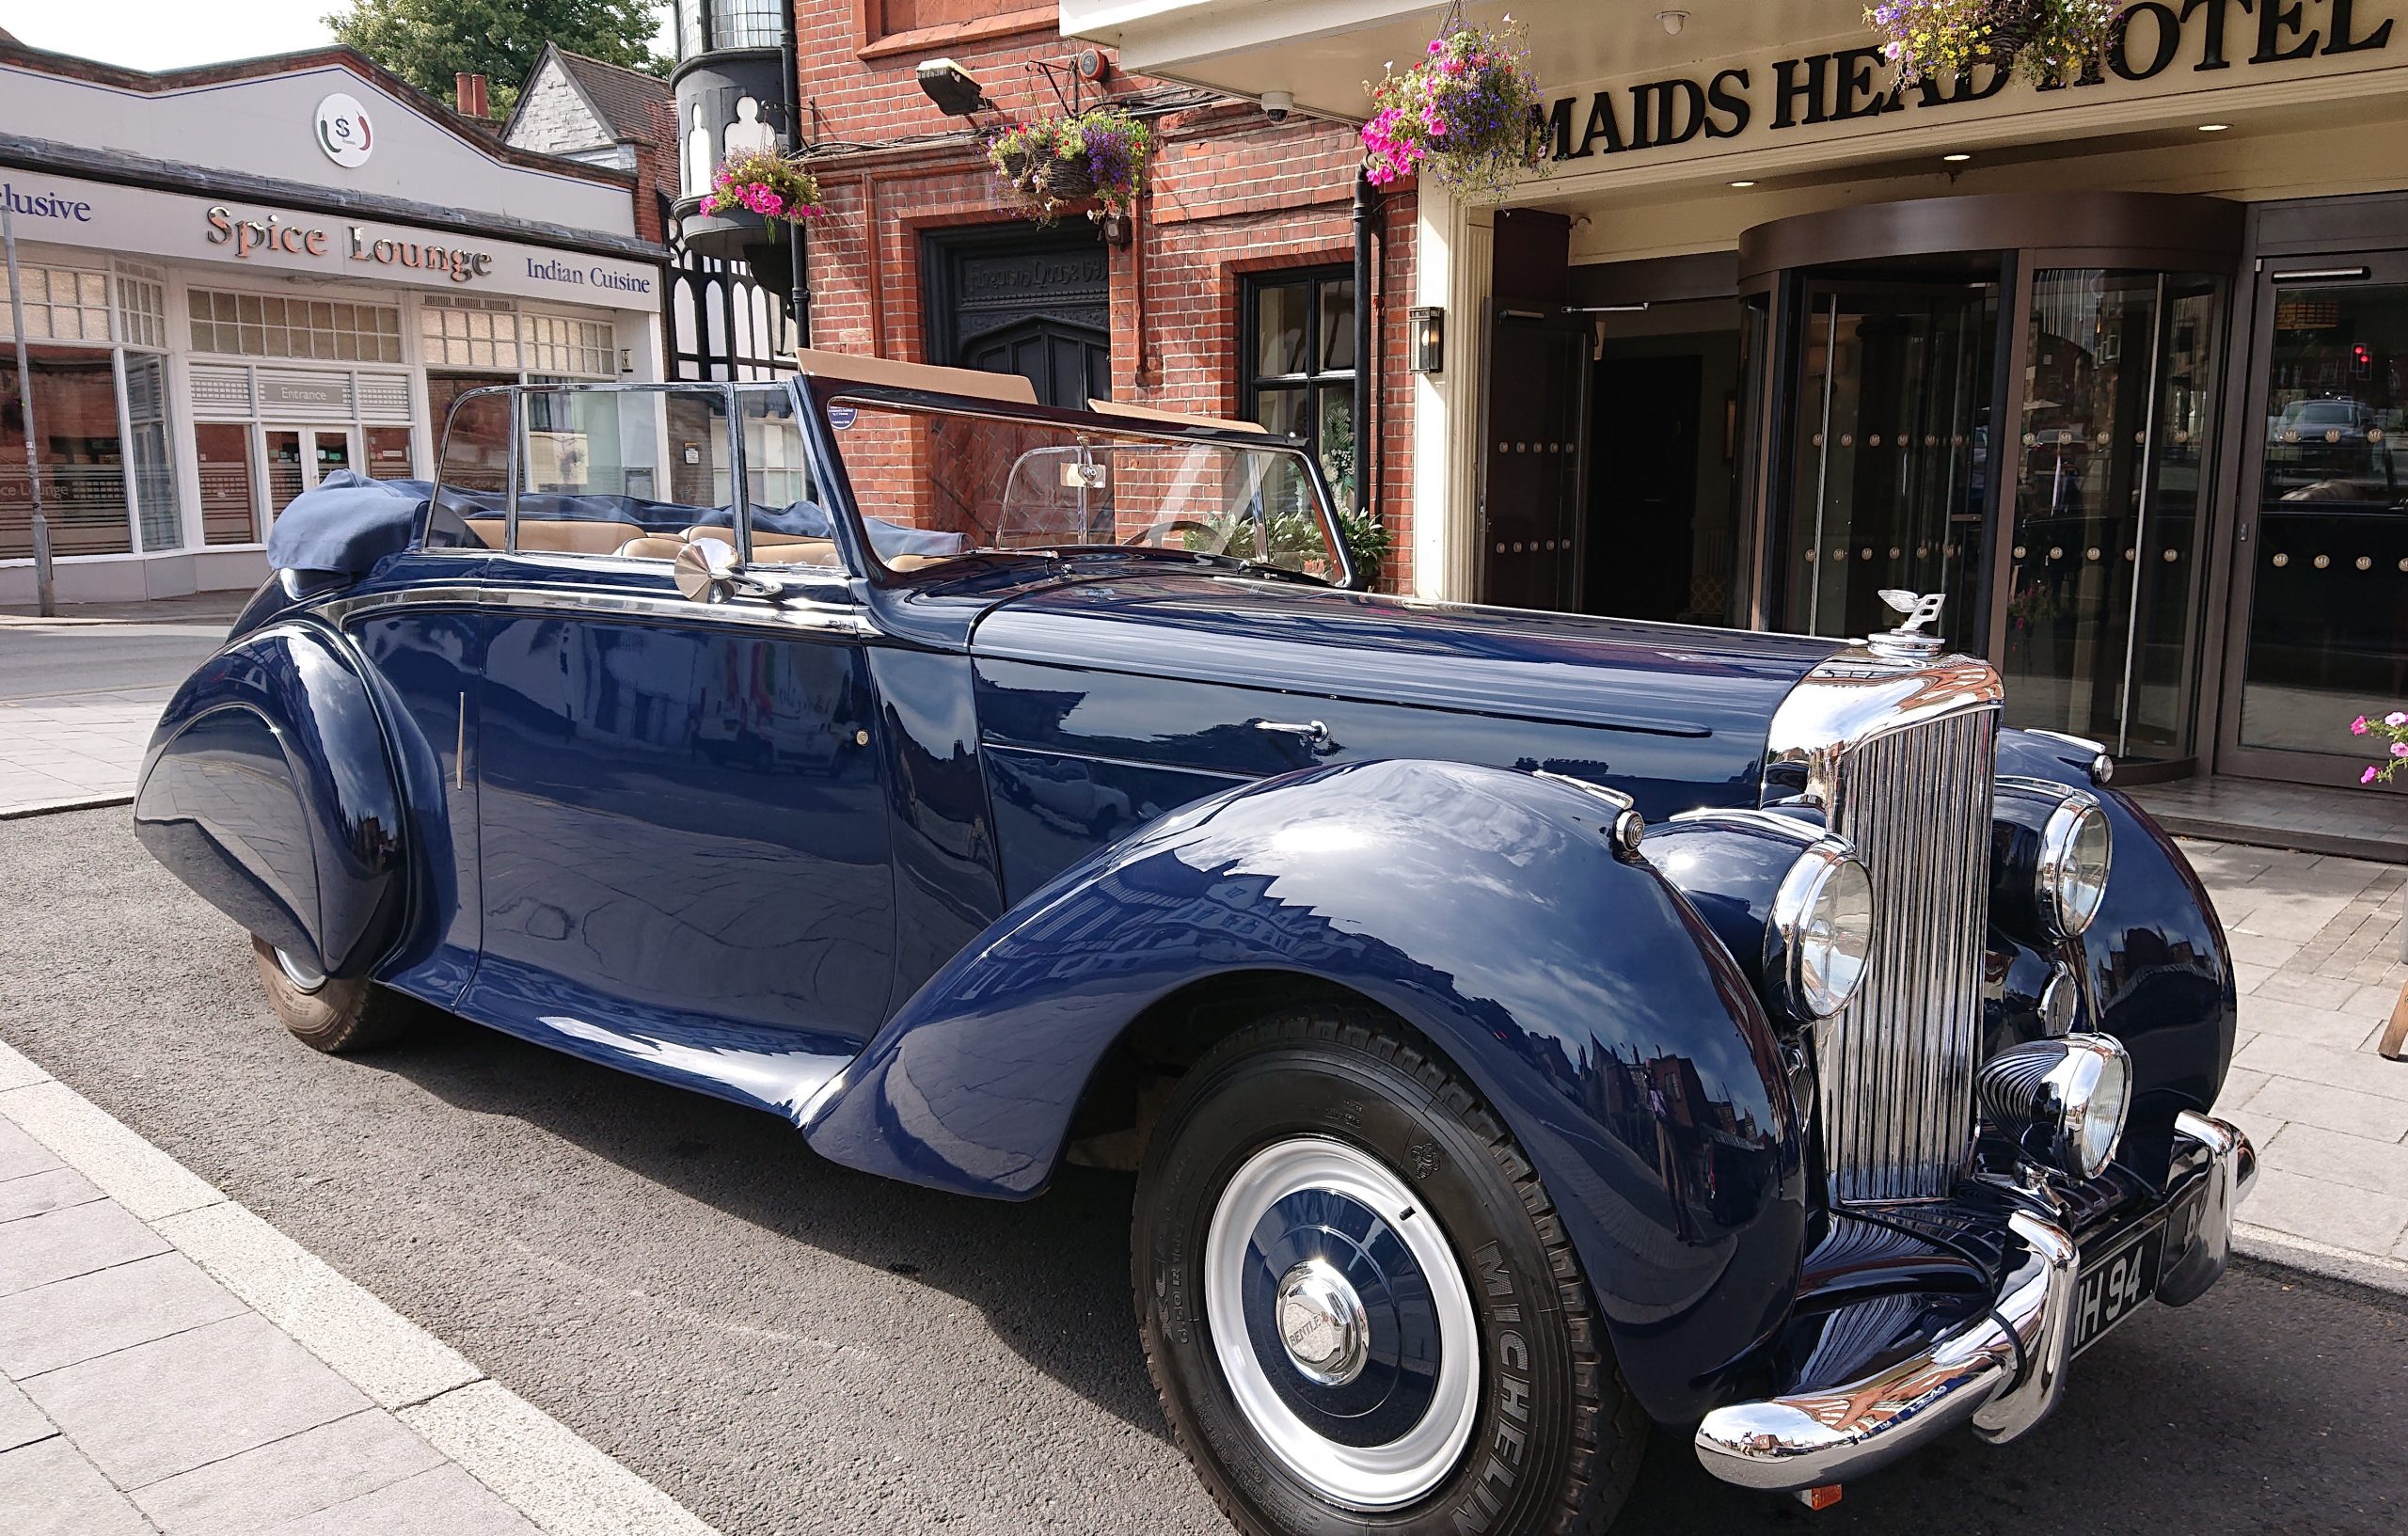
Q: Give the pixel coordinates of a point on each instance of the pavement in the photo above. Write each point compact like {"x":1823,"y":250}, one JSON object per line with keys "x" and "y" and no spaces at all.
{"x":80,"y":692}
{"x":133,"y":1294}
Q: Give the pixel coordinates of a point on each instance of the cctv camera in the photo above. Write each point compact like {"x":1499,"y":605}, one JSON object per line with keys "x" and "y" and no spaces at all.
{"x":1277,"y":104}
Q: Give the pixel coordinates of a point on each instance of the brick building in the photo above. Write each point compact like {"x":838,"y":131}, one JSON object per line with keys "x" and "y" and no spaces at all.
{"x":1231,"y":294}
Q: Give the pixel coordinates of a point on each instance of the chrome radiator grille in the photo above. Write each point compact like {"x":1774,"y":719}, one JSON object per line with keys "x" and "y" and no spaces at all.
{"x":1898,"y":1063}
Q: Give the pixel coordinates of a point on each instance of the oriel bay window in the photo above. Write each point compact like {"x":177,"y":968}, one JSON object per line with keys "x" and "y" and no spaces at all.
{"x":96,"y":470}
{"x":1296,"y":347}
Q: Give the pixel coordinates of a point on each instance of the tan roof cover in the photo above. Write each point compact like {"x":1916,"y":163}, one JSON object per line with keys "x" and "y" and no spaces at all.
{"x":857,"y":368}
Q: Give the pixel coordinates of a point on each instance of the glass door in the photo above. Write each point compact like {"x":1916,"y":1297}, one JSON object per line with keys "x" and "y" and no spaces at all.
{"x":2320,"y":591}
{"x":298,"y":458}
{"x":1889,"y":455}
{"x":2103,"y":572}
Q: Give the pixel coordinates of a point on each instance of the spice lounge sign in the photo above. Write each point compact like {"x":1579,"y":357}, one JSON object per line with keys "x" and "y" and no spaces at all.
{"x":356,"y":244}
{"x":2157,"y":38}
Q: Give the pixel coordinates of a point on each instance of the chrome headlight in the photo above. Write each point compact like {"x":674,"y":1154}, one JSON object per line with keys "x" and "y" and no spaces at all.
{"x":2063,"y":1101}
{"x":1820,"y":935}
{"x":2071,"y":874}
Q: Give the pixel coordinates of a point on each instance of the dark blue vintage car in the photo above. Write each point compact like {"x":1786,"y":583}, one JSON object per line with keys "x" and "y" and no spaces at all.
{"x":1524,"y":1027}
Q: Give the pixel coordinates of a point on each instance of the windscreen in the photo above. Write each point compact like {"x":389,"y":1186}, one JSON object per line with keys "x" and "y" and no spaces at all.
{"x":936,"y":485}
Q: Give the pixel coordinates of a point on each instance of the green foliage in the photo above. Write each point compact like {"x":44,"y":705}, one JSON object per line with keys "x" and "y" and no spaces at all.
{"x":428,"y":41}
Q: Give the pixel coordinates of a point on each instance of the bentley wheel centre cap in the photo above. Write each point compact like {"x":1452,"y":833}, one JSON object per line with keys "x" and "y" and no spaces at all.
{"x":1321,"y":1323}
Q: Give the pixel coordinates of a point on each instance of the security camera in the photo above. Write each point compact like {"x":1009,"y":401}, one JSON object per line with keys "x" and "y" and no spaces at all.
{"x":1277,"y":104}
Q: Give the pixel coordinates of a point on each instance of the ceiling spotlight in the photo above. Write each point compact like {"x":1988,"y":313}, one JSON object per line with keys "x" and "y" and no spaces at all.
{"x":2213,"y":127}
{"x":1743,"y":183}
{"x":1956,"y":159}
{"x":954,"y":89}
{"x":1673,"y":20}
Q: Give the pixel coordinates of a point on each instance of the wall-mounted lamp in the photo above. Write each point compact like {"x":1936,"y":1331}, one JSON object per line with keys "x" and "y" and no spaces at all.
{"x":954,"y":89}
{"x":1672,"y":20}
{"x":1429,"y":340}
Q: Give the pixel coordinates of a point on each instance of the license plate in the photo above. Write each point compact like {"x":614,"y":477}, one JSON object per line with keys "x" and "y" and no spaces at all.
{"x":2114,"y":1286}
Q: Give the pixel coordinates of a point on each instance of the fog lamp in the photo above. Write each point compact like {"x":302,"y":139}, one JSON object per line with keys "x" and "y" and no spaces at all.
{"x":2062,"y":1102}
{"x":1821,"y":933}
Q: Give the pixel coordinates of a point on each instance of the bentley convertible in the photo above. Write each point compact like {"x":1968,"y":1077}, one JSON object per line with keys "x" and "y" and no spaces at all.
{"x":1525,"y":1028}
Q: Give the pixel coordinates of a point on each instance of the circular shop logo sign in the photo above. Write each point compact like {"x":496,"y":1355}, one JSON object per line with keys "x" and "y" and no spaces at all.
{"x":342,"y":129}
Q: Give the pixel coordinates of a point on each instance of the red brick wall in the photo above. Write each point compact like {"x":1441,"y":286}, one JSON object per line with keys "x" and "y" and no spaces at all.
{"x":1231,"y":194}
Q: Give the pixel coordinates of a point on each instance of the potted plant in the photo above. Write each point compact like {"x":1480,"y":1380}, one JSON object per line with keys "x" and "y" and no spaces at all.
{"x":2392,"y":730}
{"x":2049,"y":41}
{"x":770,"y":182}
{"x":1470,"y":114}
{"x":1097,"y":157}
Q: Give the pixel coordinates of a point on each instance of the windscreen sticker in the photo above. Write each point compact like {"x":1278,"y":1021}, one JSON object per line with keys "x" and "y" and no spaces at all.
{"x":841,"y":417}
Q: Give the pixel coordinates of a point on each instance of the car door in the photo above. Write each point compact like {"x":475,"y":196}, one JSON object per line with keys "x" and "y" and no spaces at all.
{"x":684,"y":842}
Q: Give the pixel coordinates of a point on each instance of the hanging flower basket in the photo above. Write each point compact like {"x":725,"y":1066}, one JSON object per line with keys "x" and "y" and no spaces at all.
{"x":1470,"y":115}
{"x":2049,"y":41}
{"x":770,"y":182}
{"x":1056,"y":166}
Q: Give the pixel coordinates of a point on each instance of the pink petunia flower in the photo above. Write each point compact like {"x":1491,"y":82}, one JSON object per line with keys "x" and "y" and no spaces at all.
{"x":2368,"y":776}
{"x":2358,"y":726}
{"x":2396,"y":718}
{"x":2399,"y":748}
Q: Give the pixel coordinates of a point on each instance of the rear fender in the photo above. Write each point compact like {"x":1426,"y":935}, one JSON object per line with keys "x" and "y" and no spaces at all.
{"x":267,"y":788}
{"x":1580,"y":994}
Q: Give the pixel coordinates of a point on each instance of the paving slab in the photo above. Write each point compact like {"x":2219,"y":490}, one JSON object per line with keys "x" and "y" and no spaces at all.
{"x":193,"y":1398}
{"x":286,"y":1480}
{"x":54,"y":1189}
{"x":91,"y":1315}
{"x":20,"y":1154}
{"x":2318,"y":1104}
{"x":442,"y":1502}
{"x":49,"y":1489}
{"x":21,"y":1422}
{"x":59,"y":1244}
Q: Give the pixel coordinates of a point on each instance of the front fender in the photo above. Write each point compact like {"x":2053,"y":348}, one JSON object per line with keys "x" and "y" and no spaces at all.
{"x":2156,"y":967}
{"x":268,"y":790}
{"x":1580,"y":994}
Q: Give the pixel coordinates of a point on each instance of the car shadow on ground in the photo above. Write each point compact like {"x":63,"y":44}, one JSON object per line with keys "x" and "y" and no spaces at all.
{"x":1049,"y":1275}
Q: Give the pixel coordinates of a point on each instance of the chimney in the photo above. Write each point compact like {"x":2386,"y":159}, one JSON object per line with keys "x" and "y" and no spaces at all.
{"x":468,"y":95}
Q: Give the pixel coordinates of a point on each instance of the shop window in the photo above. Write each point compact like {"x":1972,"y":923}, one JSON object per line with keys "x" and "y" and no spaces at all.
{"x":747,"y":24}
{"x":280,"y":326}
{"x":556,"y":345}
{"x":472,"y":443}
{"x":229,"y":499}
{"x":79,"y":452}
{"x":146,"y":434}
{"x":466,"y":334}
{"x":141,"y":309}
{"x":389,"y":453}
{"x":1297,"y":350}
{"x":883,"y":18}
{"x":61,"y":305}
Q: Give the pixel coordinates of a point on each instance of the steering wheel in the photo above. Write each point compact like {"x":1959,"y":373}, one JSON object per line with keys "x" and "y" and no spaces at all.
{"x":1176,"y":525}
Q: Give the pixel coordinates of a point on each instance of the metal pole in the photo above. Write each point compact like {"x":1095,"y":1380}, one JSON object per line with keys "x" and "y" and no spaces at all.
{"x":2158,"y":338}
{"x":1367,"y":351}
{"x":43,"y":594}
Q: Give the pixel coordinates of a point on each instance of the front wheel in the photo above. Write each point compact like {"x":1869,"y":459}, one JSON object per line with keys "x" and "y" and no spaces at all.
{"x":1359,"y":1307}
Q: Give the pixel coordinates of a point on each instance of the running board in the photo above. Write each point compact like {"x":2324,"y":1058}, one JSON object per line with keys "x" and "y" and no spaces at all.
{"x":765,"y":1069}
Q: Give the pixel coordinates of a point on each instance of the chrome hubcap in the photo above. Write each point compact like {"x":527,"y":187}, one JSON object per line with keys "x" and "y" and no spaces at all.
{"x":300,"y":972}
{"x":1341,"y":1322}
{"x":1320,"y":1321}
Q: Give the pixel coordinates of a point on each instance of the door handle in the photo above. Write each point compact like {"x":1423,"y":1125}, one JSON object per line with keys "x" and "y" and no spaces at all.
{"x":1312,"y":733}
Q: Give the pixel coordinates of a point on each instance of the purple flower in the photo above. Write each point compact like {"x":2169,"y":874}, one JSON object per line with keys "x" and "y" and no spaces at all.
{"x":2399,"y":748}
{"x":2369,"y":776}
{"x":2358,"y":726}
{"x":2396,"y":718}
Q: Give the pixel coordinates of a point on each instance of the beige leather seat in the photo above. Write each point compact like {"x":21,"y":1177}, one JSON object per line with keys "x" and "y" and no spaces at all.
{"x":653,"y":547}
{"x":486,"y":531}
{"x":574,"y":536}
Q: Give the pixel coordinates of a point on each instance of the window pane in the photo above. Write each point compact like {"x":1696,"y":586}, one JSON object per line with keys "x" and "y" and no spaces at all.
{"x":592,"y":482}
{"x":473,"y":440}
{"x":2328,"y":625}
{"x":1280,"y":318}
{"x":1338,"y":325}
{"x":154,"y":474}
{"x":389,"y":453}
{"x":1337,"y":440}
{"x":1282,"y":411}
{"x":79,"y":448}
{"x":228,"y":510}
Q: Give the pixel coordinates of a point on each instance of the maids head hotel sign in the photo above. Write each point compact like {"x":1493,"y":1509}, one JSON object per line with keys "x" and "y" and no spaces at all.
{"x":1850,"y":85}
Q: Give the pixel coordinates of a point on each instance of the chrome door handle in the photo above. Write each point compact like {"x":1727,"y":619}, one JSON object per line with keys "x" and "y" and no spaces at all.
{"x":1312,"y":733}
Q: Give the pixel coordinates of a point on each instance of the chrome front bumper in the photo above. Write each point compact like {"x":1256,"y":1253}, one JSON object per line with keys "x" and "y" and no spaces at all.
{"x":2003,"y":1370}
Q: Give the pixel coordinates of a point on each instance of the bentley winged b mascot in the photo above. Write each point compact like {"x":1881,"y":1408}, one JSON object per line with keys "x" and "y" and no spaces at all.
{"x":1525,"y":1028}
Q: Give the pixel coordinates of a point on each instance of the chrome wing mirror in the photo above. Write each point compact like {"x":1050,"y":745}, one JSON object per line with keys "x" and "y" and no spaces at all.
{"x":707,"y":571}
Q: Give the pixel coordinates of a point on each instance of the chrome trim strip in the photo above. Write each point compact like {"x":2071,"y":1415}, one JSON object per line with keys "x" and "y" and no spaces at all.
{"x":791,"y":617}
{"x":1820,"y":1435}
{"x":988,"y":743}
